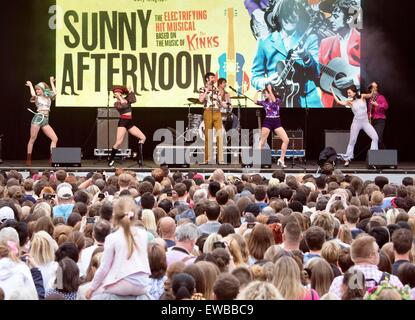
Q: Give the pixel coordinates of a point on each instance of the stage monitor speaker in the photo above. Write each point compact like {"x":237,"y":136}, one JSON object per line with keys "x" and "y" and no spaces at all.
{"x":257,"y":157}
{"x":102,"y":134}
{"x":337,"y":139}
{"x":382,"y":159}
{"x":296,"y":140}
{"x":66,"y":157}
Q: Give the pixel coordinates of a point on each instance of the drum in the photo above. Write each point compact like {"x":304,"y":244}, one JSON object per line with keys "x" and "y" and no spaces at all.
{"x":194,"y":121}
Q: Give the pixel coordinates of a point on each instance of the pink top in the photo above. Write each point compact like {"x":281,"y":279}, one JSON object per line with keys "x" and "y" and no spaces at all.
{"x":311,"y":295}
{"x":378,"y":112}
{"x":115,"y":264}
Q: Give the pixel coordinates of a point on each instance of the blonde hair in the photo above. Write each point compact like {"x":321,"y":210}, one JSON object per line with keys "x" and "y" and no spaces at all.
{"x":211,"y":272}
{"x":331,"y":252}
{"x":321,"y":275}
{"x":345,"y":234}
{"x":41,"y":248}
{"x":122,"y":208}
{"x":287,"y":278}
{"x":235,"y":250}
{"x":149,"y":220}
{"x":243,"y":246}
{"x":201,"y":219}
{"x":376,"y":198}
{"x":259,"y":290}
{"x":210,"y":240}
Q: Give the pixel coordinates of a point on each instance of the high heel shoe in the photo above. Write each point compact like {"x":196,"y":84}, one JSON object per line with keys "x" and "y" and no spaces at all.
{"x":281,"y":163}
{"x":347,"y":163}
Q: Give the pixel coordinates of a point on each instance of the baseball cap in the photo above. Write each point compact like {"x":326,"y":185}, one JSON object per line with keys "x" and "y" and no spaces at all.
{"x":64,"y":191}
{"x":6,"y":213}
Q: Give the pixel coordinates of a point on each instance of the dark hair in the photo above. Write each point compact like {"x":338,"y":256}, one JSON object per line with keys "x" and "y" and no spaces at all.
{"x":214,"y":187}
{"x":384,"y":264}
{"x":280,"y":10}
{"x":408,"y":181}
{"x":296,"y":206}
{"x":212,"y":210}
{"x":147,"y":201}
{"x":67,"y":249}
{"x":381,"y":181}
{"x":207,"y":75}
{"x":358,"y":289}
{"x":381,"y":234}
{"x":166,"y":205}
{"x":183,"y":286}
{"x":226,"y":229}
{"x":345,"y":261}
{"x":315,"y":237}
{"x":406,"y":273}
{"x":73,"y":219}
{"x":180,"y":189}
{"x":157,"y":260}
{"x":222,"y":197}
{"x":69,"y":275}
{"x":402,"y":240}
{"x":253,"y":208}
{"x":231,"y":215}
{"x":101,"y":229}
{"x":144,"y":187}
{"x":81,"y":208}
{"x":105,"y":211}
{"x":81,"y":196}
{"x":226,"y":287}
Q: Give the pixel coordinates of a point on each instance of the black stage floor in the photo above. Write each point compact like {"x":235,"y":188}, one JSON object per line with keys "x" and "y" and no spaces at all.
{"x":310,"y":166}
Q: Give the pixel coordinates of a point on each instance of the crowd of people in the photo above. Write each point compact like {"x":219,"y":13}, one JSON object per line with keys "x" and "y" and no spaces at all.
{"x":176,"y":236}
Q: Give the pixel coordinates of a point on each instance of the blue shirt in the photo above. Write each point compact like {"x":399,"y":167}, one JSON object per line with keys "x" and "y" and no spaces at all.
{"x":63,"y":210}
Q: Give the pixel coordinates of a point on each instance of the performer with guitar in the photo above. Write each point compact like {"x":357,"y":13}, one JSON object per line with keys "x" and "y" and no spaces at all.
{"x":209,"y":96}
{"x":339,"y":55}
{"x":377,"y":111}
{"x":287,"y":58}
{"x":360,"y":121}
{"x":272,"y":121}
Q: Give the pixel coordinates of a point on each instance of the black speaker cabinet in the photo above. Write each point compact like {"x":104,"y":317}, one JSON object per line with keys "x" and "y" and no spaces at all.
{"x":382,"y":159}
{"x":256,"y":158}
{"x":296,"y":140}
{"x":337,"y":139}
{"x":66,"y":157}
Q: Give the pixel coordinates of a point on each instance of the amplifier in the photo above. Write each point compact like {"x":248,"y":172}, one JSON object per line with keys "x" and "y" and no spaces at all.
{"x":296,"y":140}
{"x":104,"y":113}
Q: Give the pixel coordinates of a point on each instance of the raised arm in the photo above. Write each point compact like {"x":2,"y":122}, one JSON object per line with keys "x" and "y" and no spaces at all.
{"x":271,"y":93}
{"x":366,"y":95}
{"x":131,"y":98}
{"x":256,"y":96}
{"x":52,"y":84}
{"x":342,"y":103}
{"x":32,"y":90}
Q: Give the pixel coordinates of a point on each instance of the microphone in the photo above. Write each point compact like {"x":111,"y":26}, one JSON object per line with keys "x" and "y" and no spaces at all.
{"x":233,"y":89}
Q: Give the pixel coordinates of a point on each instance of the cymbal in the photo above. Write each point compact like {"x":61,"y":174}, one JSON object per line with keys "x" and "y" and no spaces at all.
{"x":194,"y":100}
{"x":238,"y":97}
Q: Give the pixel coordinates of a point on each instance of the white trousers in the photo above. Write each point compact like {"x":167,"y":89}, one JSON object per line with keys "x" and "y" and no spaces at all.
{"x":357,"y":125}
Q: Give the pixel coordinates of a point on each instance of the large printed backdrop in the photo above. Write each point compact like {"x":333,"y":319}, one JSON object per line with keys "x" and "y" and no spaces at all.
{"x":161,"y":48}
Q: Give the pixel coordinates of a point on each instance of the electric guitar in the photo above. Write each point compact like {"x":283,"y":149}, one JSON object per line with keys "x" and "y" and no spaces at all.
{"x":288,"y":89}
{"x":336,"y":69}
{"x":231,"y":63}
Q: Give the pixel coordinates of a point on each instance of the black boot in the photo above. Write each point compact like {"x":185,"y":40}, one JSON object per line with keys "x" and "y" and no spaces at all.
{"x":112,"y":156}
{"x":140,"y":155}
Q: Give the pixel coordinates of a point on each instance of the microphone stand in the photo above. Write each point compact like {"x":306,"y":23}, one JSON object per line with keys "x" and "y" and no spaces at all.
{"x":108,"y":123}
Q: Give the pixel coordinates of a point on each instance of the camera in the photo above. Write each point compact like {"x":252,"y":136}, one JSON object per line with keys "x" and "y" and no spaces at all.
{"x":219,"y":244}
{"x":101,"y":196}
{"x":48,"y":196}
{"x":90,"y":220}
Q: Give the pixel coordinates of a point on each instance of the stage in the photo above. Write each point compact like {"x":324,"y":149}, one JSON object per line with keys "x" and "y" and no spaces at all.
{"x":293,"y":167}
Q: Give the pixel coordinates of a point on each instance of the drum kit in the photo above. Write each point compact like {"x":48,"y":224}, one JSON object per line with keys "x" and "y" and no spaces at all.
{"x":196,"y":125}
